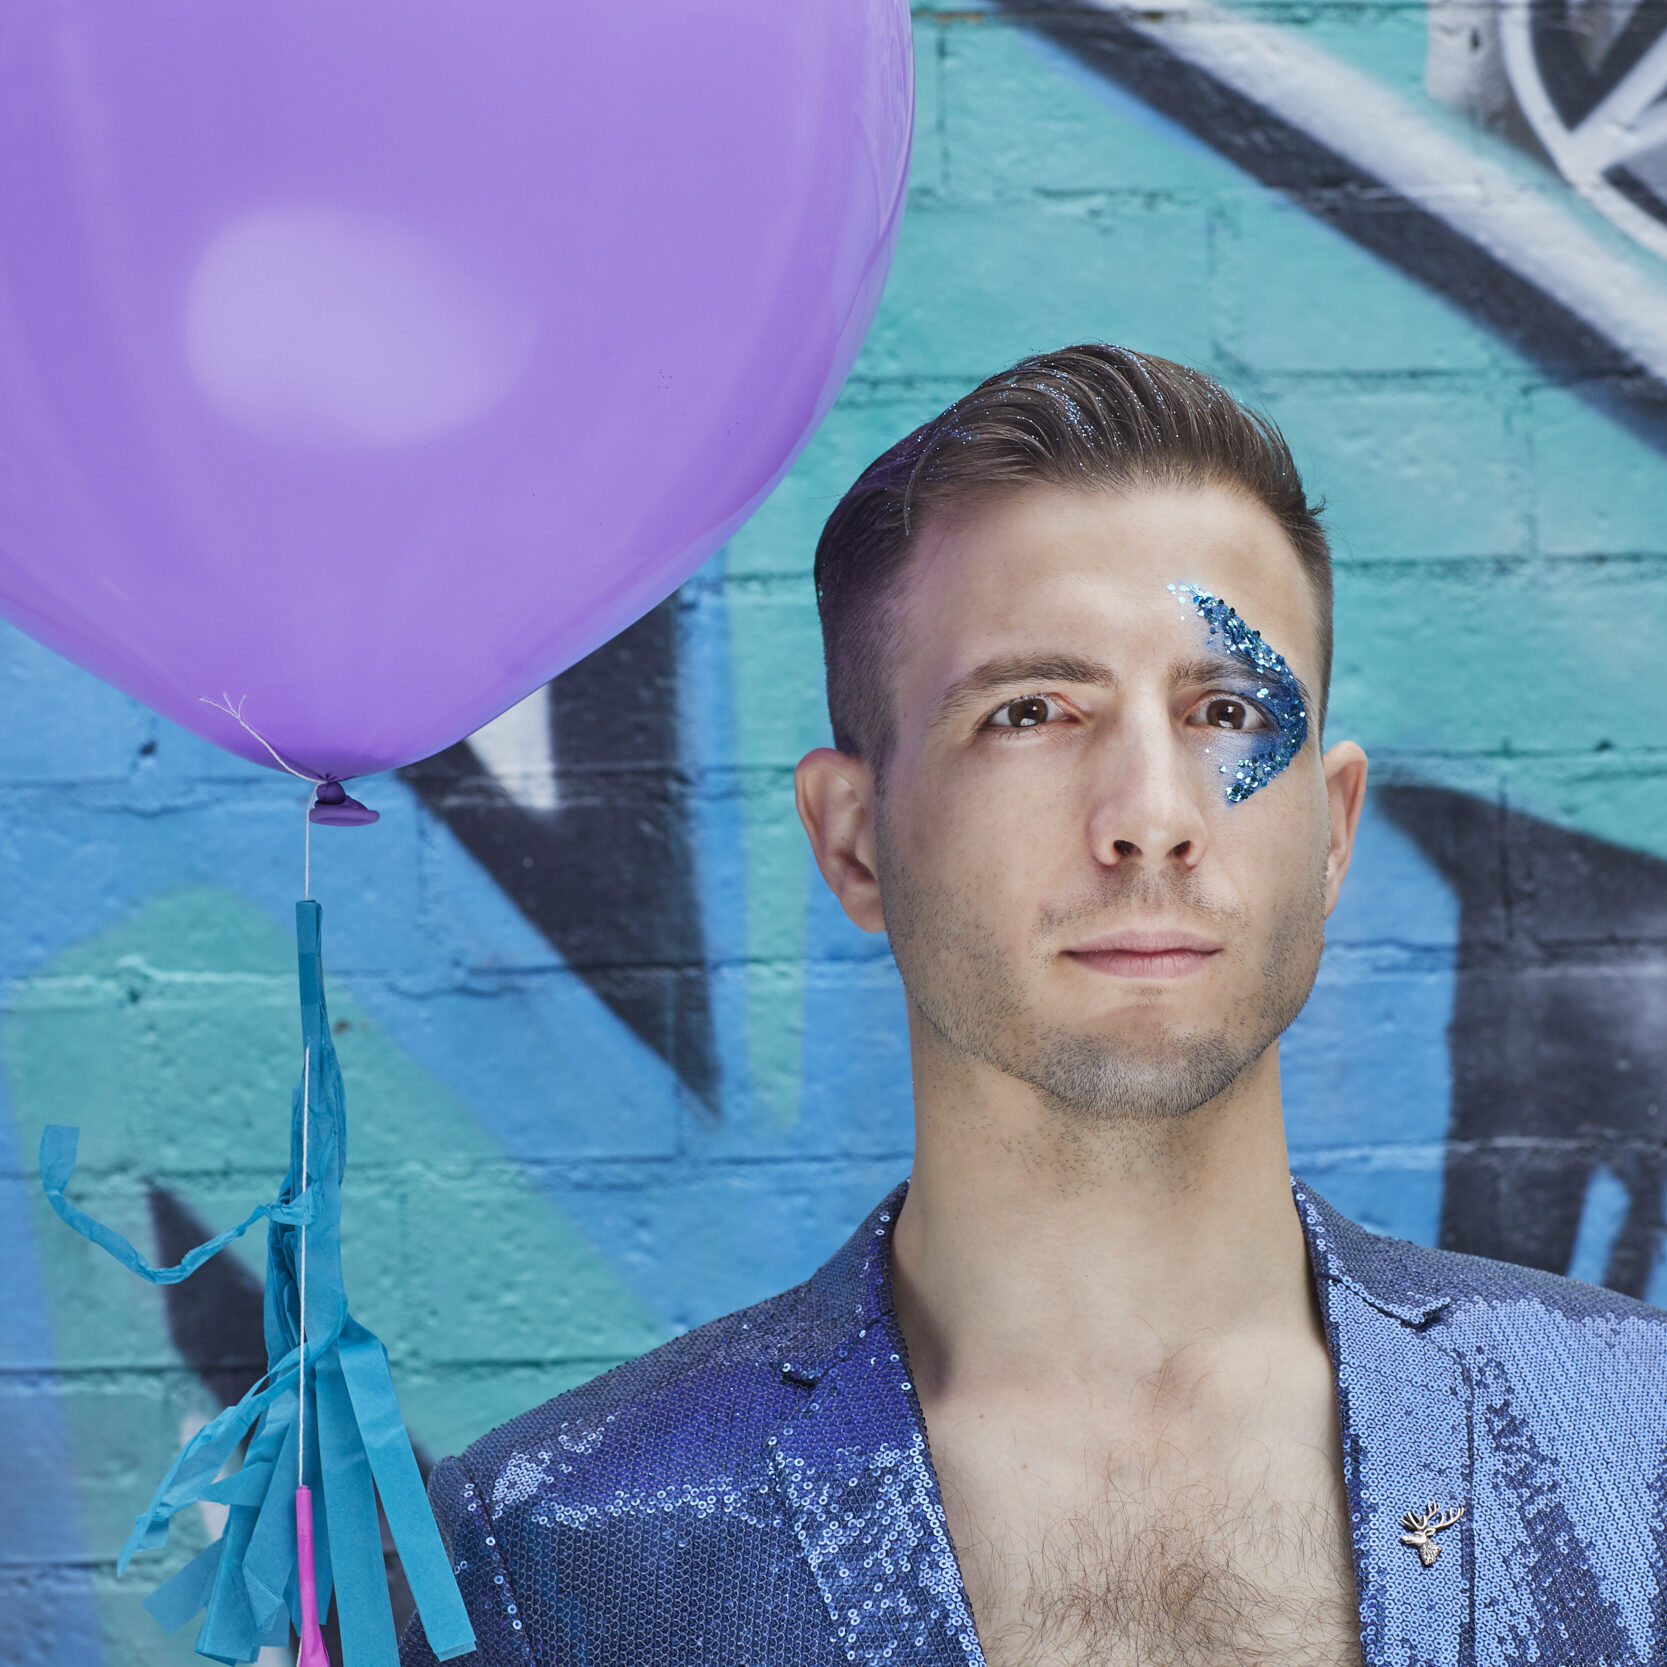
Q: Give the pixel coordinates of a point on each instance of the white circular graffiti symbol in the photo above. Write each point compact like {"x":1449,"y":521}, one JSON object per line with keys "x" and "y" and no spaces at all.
{"x":1608,"y":137}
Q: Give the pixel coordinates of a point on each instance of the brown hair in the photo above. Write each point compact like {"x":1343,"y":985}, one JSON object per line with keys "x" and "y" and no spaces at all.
{"x":1089,"y":416}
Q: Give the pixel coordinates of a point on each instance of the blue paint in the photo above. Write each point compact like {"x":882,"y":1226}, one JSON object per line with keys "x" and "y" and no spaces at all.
{"x":1655,"y":1289}
{"x":1365,"y":1070}
{"x":1602,"y":1216}
{"x":1273,"y":690}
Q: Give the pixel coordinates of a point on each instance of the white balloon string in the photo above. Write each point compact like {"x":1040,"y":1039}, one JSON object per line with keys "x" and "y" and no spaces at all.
{"x":224,"y":704}
{"x":307,"y":845}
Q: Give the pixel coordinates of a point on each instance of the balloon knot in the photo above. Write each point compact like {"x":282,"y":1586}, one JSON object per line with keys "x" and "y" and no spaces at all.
{"x":332,"y":808}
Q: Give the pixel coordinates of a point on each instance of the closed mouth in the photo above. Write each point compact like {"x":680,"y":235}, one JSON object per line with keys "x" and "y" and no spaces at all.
{"x":1145,"y":955}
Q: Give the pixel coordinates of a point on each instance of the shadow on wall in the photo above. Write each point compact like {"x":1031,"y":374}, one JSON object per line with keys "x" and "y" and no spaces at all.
{"x":1557,"y":1141}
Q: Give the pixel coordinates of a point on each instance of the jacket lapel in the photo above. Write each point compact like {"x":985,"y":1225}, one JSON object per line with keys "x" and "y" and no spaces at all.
{"x":864,"y":1501}
{"x":857,"y":1477}
{"x":1405,"y":1408}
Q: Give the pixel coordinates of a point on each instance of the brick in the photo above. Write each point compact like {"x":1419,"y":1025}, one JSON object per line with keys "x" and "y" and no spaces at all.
{"x":1126,"y":273}
{"x":1407,"y":471}
{"x":1021,"y":117}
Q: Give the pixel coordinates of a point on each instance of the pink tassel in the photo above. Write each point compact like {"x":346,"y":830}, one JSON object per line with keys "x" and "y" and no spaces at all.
{"x":313,"y":1652}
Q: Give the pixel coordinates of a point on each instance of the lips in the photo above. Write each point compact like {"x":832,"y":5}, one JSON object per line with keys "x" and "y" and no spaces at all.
{"x":1146,"y":955}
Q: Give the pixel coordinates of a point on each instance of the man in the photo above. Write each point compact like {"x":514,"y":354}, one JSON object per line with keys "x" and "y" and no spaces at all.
{"x":1101,"y":1385}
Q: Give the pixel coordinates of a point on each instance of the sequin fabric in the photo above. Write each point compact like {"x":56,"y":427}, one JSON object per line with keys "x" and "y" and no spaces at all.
{"x":758,"y":1493}
{"x":1261,"y":754}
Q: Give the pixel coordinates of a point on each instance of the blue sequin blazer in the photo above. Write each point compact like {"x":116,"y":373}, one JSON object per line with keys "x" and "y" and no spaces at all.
{"x":758,"y":1493}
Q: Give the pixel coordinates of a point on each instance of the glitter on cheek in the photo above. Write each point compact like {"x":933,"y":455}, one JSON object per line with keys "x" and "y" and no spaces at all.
{"x":1265,"y":752}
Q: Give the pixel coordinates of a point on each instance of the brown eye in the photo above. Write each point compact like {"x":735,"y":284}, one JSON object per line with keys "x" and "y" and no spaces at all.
{"x":1022,"y":714}
{"x":1225,"y":713}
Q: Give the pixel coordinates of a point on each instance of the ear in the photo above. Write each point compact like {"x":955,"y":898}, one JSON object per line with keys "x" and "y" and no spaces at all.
{"x":835,"y":796}
{"x":1345,"y":780}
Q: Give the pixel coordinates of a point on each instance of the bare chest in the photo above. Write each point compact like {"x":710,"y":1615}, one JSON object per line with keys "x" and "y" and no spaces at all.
{"x":1148,"y":1558}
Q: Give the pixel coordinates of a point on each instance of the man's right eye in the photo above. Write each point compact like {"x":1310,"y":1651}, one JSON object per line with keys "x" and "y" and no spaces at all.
{"x":1027,"y":712}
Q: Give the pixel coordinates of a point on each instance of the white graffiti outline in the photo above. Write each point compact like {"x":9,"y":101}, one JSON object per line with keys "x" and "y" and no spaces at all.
{"x":1629,"y":120}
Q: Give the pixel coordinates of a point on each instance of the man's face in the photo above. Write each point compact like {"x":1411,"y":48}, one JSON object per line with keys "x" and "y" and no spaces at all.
{"x":1071,"y":895}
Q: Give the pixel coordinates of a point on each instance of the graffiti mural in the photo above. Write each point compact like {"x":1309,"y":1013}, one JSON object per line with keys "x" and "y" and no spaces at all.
{"x":591,"y":763}
{"x":1557,"y":1142}
{"x":592,"y":1000}
{"x":1583,"y":79}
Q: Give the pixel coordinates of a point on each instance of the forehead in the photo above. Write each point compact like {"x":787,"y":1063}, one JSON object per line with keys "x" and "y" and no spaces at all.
{"x":1087,"y":572}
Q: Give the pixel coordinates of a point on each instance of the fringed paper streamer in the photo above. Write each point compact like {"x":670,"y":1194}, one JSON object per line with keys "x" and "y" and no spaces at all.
{"x":247,"y":1581}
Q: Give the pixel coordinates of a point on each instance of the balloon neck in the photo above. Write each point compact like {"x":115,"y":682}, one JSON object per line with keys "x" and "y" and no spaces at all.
{"x":333,"y":808}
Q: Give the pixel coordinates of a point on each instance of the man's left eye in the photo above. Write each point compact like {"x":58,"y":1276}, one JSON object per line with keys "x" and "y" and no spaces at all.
{"x":1228,"y":712}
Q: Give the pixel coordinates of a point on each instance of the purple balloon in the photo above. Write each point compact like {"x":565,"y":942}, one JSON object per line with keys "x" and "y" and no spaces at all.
{"x":366,"y":364}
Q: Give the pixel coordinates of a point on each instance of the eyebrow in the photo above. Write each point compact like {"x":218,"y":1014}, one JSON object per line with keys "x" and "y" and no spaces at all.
{"x":1006,"y":671}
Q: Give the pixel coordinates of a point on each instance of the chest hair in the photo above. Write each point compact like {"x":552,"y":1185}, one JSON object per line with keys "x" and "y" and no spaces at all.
{"x":1203,"y":1581}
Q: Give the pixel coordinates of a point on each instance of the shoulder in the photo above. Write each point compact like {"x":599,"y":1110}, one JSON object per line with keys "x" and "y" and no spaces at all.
{"x":698,"y":1407}
{"x":1530,"y":1322}
{"x":1485,"y":1296}
{"x":1547,"y":1353}
{"x":665,"y":1457}
{"x":688,"y":1422}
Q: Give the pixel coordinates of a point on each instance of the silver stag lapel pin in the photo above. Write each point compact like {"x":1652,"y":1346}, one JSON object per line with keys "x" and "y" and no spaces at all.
{"x":1421,"y":1529}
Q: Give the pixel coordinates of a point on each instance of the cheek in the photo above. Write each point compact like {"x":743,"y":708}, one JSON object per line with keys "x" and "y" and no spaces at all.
{"x":996,"y":840}
{"x":1273,"y":847}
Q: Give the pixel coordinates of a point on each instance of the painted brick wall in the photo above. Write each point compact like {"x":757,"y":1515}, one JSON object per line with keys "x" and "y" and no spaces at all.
{"x":616,"y":1063}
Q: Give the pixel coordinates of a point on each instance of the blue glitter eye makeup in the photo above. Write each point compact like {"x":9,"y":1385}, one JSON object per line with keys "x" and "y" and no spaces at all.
{"x":1262,"y":753}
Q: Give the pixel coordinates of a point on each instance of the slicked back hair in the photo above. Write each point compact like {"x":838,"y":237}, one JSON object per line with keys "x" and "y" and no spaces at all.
{"x":1091,"y":417}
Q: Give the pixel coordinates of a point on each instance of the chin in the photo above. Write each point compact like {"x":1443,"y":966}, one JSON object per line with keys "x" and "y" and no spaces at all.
{"x":1152,"y":1068}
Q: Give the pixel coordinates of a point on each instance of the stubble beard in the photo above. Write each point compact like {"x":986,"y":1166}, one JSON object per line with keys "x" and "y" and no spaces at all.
{"x":963,"y":984}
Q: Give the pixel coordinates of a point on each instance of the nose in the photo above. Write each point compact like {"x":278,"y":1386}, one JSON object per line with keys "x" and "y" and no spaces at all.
{"x":1147,"y":800}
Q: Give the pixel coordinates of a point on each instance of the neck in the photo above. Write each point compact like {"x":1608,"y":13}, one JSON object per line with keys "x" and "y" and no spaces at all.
{"x":1032,"y":1242}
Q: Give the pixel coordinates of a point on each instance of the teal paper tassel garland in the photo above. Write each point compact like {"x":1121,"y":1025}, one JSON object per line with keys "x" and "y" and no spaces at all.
{"x":247,"y":1581}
